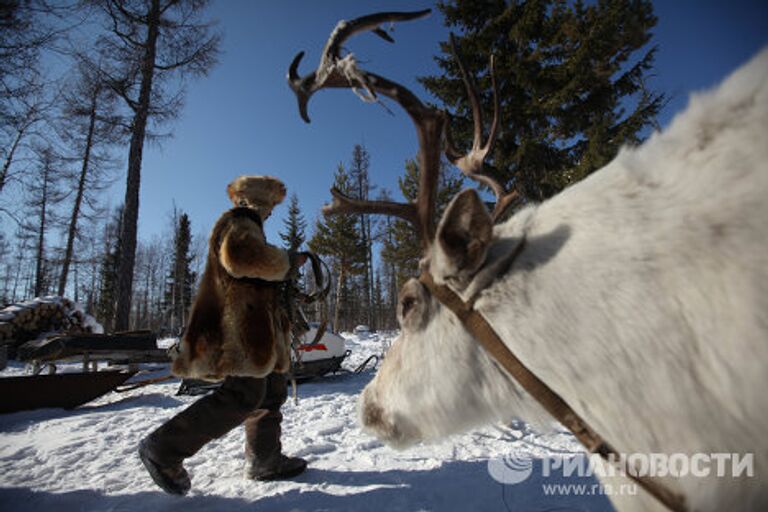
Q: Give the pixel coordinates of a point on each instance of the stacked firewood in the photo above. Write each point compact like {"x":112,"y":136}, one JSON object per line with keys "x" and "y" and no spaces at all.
{"x":29,"y":320}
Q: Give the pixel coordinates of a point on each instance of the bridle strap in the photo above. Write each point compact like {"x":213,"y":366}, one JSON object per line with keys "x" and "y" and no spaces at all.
{"x":482,"y":331}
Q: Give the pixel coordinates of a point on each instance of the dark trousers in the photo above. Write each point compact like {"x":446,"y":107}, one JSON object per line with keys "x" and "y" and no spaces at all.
{"x":254,"y":402}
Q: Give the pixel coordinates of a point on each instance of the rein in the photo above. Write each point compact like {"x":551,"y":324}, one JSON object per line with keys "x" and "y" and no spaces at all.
{"x":294,"y":297}
{"x":292,"y":300}
{"x":482,"y":331}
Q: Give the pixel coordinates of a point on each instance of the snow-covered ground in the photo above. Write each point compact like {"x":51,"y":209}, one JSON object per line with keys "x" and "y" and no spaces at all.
{"x":85,"y":459}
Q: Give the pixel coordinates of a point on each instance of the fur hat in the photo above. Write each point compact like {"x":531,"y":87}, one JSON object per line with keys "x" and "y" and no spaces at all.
{"x":260,"y":192}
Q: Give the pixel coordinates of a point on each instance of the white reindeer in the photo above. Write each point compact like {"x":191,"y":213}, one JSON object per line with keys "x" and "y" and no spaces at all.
{"x":640,"y":295}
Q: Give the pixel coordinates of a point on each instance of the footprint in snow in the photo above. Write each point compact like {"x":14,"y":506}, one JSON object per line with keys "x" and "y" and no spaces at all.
{"x":369,"y":445}
{"x":336,"y":429}
{"x":316,"y":449}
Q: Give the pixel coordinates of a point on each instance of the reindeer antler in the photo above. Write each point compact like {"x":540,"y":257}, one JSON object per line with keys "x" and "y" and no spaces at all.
{"x":334,"y":72}
{"x":473,"y":162}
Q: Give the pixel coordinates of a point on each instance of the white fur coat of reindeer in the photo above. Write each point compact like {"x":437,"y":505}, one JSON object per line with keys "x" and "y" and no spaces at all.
{"x":640,"y":295}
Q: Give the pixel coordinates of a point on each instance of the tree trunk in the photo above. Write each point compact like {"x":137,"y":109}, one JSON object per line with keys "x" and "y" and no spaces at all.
{"x":133,"y":179}
{"x":9,"y":158}
{"x":366,"y":272}
{"x":373,"y":321}
{"x":391,"y":282}
{"x":17,"y":274}
{"x":72,"y":231}
{"x":91,"y":309}
{"x":339,"y":288}
{"x":39,"y":264}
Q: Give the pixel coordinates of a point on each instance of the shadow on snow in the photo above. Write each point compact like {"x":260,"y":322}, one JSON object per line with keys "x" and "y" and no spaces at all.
{"x":455,"y":486}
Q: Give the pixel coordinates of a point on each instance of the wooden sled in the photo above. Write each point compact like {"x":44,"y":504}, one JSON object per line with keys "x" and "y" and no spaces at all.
{"x":69,"y":390}
{"x":63,"y":390}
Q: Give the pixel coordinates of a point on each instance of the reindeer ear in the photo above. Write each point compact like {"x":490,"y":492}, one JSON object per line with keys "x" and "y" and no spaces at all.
{"x":463,"y":237}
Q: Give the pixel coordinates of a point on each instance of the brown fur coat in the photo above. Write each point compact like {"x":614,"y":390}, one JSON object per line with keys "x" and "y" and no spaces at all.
{"x":237,"y":325}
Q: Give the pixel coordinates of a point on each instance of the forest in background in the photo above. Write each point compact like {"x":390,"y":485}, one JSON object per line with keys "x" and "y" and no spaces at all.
{"x":572,"y":79}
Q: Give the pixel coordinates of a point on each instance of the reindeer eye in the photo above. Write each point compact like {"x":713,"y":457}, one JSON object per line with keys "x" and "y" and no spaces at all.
{"x":412,"y":307}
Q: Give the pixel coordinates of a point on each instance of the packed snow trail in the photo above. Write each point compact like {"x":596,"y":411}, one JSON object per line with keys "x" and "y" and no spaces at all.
{"x":86,"y":460}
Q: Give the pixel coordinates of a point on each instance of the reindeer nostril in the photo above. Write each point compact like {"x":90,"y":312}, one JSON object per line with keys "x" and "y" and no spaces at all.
{"x":374,"y":420}
{"x":373,"y":415}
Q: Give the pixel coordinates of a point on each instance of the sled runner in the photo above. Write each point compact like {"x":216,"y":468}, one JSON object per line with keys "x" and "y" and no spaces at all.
{"x":63,"y":390}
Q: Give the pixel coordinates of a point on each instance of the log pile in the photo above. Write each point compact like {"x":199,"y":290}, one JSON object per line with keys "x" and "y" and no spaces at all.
{"x":29,"y":320}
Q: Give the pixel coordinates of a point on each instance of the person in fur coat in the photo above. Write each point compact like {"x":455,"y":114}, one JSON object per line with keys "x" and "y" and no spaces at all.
{"x":238,"y":332}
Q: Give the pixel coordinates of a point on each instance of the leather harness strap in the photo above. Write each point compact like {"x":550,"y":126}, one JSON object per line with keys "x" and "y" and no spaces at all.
{"x":482,"y":331}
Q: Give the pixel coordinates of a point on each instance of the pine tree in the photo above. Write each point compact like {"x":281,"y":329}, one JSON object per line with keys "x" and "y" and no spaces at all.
{"x":178,"y":296}
{"x":379,"y":304}
{"x":293,"y":237}
{"x":337,"y":237}
{"x":401,"y":245}
{"x":571,"y":86}
{"x":107,"y":301}
{"x":358,"y":172}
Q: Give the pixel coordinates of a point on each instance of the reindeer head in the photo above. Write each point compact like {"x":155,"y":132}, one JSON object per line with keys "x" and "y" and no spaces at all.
{"x":434,"y":367}
{"x":436,"y":379}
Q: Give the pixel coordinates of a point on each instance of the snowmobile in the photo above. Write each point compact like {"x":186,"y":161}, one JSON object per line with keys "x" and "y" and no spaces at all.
{"x":315,"y":359}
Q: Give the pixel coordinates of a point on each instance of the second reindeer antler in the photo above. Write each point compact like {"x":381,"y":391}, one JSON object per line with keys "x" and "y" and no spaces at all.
{"x":472,"y":163}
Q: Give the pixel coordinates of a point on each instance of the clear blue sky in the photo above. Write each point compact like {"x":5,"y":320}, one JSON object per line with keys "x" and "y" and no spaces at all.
{"x":242,"y":118}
